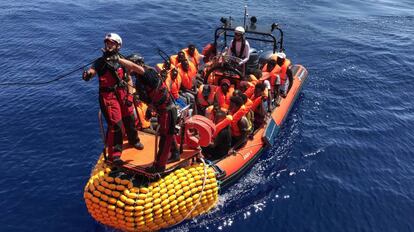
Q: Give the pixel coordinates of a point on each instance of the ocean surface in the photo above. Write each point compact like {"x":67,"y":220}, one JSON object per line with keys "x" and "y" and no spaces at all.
{"x":344,"y":160}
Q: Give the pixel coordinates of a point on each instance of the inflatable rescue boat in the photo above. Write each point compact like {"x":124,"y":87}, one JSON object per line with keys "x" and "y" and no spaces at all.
{"x":128,"y":198}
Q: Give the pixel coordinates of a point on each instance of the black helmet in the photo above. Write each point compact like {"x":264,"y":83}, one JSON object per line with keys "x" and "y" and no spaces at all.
{"x":136,"y":58}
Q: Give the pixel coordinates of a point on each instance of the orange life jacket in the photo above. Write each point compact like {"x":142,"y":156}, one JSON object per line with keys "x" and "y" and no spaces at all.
{"x":187,"y":77}
{"x":174,"y":60}
{"x":222,"y":99}
{"x":193,"y":59}
{"x":208,"y":52}
{"x":272,"y":74}
{"x":250,"y":90}
{"x":235,"y":130}
{"x":173,"y":85}
{"x":255,"y":103}
{"x":283,"y":70}
{"x":141,"y":108}
{"x":210,"y":99}
{"x":223,"y":124}
{"x":248,"y":103}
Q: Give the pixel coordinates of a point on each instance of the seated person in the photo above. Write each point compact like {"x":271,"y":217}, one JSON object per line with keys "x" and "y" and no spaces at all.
{"x":222,"y":142}
{"x":188,"y":74}
{"x":205,"y":97}
{"x":240,"y":129}
{"x":176,"y":59}
{"x":209,"y":51}
{"x":173,"y":83}
{"x":223,"y":94}
{"x":260,"y":109}
{"x":166,"y":66}
{"x":286,"y":75}
{"x":193,"y":55}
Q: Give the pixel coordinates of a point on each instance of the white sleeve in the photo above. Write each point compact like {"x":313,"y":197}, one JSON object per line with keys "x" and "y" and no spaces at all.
{"x":246,"y":52}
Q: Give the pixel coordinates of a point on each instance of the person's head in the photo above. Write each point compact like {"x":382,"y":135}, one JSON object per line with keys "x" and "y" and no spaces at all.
{"x":185,"y":65}
{"x":243,"y":86}
{"x":224,"y":85}
{"x":219,"y":116}
{"x":235,"y":103}
{"x":206,"y":91}
{"x":244,"y":97}
{"x":191,"y":49}
{"x":151,"y":78}
{"x":259,"y":89}
{"x":239,"y":33}
{"x":237,"y":92}
{"x":181,"y":56}
{"x":174,"y":73}
{"x":113,"y":42}
{"x":136,"y":58}
{"x":281,"y":57}
{"x":271,"y":65}
{"x":163,"y":74}
{"x":167,"y":65}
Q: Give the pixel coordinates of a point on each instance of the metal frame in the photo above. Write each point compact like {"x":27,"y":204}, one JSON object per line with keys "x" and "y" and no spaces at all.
{"x":253,"y":35}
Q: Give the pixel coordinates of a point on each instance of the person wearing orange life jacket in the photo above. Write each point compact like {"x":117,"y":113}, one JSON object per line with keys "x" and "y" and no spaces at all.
{"x":223,"y":94}
{"x":166,"y":66}
{"x":241,"y":128}
{"x":115,"y":101}
{"x":259,"y":110}
{"x":193,"y":55}
{"x":205,"y":97}
{"x":175,"y":60}
{"x":173,"y":82}
{"x":209,"y":51}
{"x":188,"y":74}
{"x":153,"y":91}
{"x":247,"y":104}
{"x":286,"y":75}
{"x":222,"y":142}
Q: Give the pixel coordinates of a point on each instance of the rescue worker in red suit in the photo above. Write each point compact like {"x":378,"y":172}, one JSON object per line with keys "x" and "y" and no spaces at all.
{"x":153,"y":91}
{"x":115,"y":102}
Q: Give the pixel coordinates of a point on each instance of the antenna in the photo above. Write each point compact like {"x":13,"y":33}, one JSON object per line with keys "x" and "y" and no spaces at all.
{"x":245,"y":16}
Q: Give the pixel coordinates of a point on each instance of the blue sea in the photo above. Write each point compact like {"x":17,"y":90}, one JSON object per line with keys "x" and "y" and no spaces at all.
{"x":343,"y":161}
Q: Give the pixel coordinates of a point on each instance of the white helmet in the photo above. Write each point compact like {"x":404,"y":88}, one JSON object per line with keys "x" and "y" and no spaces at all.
{"x":239,"y":29}
{"x":113,"y":37}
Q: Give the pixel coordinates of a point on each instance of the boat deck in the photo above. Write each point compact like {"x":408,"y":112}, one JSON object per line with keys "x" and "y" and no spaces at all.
{"x":137,"y":160}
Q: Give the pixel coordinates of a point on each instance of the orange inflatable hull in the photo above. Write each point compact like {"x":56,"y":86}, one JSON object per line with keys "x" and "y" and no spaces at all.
{"x":235,"y":164}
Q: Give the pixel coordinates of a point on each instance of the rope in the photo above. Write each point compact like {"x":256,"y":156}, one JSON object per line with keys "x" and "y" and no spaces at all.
{"x":201,"y":194}
{"x":46,"y":82}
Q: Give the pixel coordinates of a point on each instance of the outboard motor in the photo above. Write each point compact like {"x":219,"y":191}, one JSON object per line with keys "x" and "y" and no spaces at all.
{"x":253,"y":62}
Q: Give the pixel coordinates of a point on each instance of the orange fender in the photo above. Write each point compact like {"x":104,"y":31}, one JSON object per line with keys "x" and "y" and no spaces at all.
{"x":207,"y":121}
{"x":198,"y":131}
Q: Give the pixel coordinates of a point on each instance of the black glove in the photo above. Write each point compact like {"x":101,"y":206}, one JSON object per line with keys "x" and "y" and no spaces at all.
{"x":86,"y":76}
{"x":113,"y":58}
{"x":148,"y":114}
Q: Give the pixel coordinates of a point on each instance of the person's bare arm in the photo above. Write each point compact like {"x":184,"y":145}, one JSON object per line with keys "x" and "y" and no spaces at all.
{"x":131,"y":66}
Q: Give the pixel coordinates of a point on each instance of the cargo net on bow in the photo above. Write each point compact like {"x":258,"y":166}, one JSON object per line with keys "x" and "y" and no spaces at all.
{"x":183,"y":194}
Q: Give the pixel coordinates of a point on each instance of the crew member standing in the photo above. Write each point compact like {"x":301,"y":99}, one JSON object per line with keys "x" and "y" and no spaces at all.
{"x":239,"y":47}
{"x":153,"y":91}
{"x":114,"y":99}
